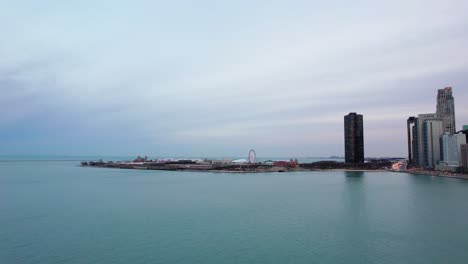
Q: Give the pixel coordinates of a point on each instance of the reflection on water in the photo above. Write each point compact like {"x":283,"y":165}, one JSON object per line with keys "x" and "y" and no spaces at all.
{"x":354,"y":197}
{"x":356,"y":174}
{"x":356,"y":212}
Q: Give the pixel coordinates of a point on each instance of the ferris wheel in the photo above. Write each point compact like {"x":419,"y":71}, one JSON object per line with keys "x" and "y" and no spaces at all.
{"x":252,"y":156}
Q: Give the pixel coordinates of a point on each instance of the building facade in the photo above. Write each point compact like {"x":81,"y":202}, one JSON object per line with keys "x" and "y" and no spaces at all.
{"x":464,"y":157}
{"x":465,"y":132}
{"x":432,"y":131}
{"x":410,"y":127}
{"x":446,"y":109}
{"x":419,"y":148}
{"x":451,"y":148}
{"x":354,"y":138}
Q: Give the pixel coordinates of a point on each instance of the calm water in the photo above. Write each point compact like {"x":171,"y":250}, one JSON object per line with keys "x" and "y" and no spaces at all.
{"x":56,"y":212}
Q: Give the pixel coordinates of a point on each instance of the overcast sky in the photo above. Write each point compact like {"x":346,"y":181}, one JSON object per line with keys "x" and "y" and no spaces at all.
{"x":211,"y":78}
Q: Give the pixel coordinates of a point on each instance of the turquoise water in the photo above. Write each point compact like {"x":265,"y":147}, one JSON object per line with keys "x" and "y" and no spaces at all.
{"x":57,"y":212}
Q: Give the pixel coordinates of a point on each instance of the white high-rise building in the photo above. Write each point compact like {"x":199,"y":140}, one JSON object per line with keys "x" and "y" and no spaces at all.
{"x":451,"y":148}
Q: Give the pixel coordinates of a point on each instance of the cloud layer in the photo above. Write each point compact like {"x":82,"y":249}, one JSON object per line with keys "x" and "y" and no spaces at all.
{"x":213,"y":78}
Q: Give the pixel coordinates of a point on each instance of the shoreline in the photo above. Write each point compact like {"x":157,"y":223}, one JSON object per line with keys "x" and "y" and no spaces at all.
{"x":351,"y":170}
{"x":246,"y":169}
{"x":222,"y":166}
{"x":436,"y":174}
{"x":295,"y":170}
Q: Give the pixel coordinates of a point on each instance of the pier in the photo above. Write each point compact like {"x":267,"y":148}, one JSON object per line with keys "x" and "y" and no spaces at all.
{"x":235,"y":166}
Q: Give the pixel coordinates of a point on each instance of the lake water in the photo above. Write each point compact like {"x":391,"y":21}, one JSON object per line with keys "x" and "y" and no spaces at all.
{"x":57,"y":212}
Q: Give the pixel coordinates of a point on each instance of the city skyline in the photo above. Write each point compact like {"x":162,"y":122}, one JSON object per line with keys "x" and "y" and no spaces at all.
{"x":214,"y":80}
{"x":433,"y":141}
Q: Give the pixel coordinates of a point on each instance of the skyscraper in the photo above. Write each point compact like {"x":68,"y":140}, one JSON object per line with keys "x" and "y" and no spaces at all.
{"x":465,"y":131}
{"x":410,"y":126}
{"x":419,"y":148}
{"x":451,"y":148}
{"x":464,"y":157}
{"x":354,"y":138}
{"x":432,"y":131}
{"x":446,"y":109}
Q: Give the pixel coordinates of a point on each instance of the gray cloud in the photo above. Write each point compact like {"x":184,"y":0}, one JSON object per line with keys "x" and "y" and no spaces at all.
{"x":164,"y":79}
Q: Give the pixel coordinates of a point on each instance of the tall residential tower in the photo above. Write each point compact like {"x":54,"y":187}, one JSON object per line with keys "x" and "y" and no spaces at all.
{"x":432,"y":131}
{"x":354,"y":138}
{"x":446,"y":109}
{"x":420,"y":147}
{"x":464,"y":157}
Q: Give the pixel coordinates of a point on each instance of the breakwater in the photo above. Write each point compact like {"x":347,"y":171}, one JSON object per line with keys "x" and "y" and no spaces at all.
{"x":191,"y":166}
{"x":188,"y":165}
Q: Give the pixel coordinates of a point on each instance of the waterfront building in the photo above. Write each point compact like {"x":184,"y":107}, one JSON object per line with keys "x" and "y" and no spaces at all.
{"x":418,"y":140}
{"x":464,"y":157}
{"x":465,"y":132}
{"x":432,"y":131}
{"x":410,"y":126}
{"x":354,"y":138}
{"x":451,"y":148}
{"x":446,"y":109}
{"x":423,"y":131}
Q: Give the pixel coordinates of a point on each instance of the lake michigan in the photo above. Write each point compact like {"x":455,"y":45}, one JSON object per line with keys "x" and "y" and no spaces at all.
{"x":58,"y":212}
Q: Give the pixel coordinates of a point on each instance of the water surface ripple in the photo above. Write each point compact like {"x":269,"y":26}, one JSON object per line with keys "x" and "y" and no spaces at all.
{"x":57,"y":212}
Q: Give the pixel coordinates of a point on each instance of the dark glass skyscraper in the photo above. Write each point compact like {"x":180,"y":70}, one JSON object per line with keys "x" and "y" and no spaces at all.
{"x":464,"y":157}
{"x":354,"y":138}
{"x":411,"y":130}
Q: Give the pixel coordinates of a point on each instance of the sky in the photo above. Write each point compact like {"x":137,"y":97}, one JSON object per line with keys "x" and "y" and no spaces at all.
{"x":217,"y":78}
